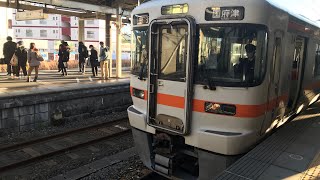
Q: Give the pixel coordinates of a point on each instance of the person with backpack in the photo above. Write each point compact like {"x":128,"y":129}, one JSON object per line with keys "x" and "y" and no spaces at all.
{"x":22,"y":55}
{"x":103,"y":61}
{"x":83,"y":54}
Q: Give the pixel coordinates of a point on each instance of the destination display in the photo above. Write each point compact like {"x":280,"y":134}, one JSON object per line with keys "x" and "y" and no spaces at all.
{"x":224,"y":13}
{"x":175,"y":9}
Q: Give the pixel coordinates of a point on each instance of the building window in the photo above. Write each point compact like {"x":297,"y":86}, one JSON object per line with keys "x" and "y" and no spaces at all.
{"x":90,"y":34}
{"x":43,"y":33}
{"x":29,"y":33}
{"x":28,"y":22}
{"x":91,"y":22}
{"x":317,"y":61}
{"x":43,"y":21}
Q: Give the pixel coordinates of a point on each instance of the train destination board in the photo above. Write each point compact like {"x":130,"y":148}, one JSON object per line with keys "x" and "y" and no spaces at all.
{"x":224,"y":13}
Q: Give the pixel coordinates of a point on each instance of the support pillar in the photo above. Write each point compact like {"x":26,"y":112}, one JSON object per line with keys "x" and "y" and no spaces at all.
{"x":108,"y":42}
{"x":81,"y":30}
{"x":118,"y":45}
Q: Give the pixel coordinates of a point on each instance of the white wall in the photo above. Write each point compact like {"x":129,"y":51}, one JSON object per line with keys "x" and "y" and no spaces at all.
{"x":5,"y":15}
{"x":53,"y":20}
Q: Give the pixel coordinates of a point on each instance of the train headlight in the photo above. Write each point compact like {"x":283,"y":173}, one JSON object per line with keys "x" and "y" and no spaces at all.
{"x":216,"y":108}
{"x":138,"y":93}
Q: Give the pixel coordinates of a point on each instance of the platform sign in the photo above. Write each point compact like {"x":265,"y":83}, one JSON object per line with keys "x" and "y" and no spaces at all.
{"x":31,"y":15}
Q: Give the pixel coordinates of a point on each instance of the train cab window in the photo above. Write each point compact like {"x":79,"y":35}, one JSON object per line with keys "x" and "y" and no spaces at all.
{"x":232,"y":55}
{"x":173,"y":61}
{"x":317,"y":61}
{"x":139,"y":52}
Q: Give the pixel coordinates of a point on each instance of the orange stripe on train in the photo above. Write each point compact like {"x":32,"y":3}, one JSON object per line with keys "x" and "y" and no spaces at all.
{"x":249,"y":111}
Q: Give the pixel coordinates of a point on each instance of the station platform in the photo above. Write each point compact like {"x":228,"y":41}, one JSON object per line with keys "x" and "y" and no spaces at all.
{"x":51,"y":80}
{"x":291,"y":153}
{"x":28,"y":105}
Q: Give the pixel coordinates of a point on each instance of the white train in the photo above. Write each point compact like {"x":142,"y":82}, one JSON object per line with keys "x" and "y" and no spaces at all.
{"x":211,"y":78}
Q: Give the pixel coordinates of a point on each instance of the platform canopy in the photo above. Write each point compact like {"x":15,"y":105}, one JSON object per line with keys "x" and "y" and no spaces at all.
{"x":85,"y":9}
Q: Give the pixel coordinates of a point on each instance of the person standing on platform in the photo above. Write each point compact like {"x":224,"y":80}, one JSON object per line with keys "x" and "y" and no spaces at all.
{"x":103,"y":61}
{"x":34,"y":58}
{"x":22,"y":55}
{"x":65,"y":58}
{"x":9,"y":49}
{"x":61,"y":48}
{"x":94,"y":60}
{"x":83,"y":54}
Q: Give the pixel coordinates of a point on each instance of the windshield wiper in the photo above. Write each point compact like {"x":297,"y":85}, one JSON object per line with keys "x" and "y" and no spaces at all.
{"x":174,"y":51}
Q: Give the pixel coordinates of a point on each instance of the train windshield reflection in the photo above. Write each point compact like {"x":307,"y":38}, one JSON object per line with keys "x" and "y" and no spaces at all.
{"x":140,"y":52}
{"x":232,"y":55}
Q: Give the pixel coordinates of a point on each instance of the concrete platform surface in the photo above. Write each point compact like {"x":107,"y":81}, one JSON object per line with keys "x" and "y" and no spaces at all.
{"x":291,"y":153}
{"x":52,"y":81}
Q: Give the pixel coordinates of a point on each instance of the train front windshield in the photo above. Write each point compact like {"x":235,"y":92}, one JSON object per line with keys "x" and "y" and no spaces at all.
{"x":232,"y":55}
{"x":140,"y":52}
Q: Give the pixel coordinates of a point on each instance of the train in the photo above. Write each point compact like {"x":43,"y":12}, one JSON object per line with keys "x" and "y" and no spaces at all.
{"x":210,"y":79}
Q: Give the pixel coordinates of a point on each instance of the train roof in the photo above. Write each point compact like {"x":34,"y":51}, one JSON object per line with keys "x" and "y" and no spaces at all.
{"x":303,"y":17}
{"x":294,"y":13}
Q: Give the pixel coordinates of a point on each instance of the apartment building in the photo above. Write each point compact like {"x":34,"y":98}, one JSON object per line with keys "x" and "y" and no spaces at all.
{"x":47,"y":33}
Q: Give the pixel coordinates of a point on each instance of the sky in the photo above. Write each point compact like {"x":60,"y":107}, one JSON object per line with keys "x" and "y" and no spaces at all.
{"x":308,"y":8}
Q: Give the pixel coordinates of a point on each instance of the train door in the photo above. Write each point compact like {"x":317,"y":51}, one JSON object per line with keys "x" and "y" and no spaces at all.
{"x":274,"y":86}
{"x":297,"y":67}
{"x":170,"y":84}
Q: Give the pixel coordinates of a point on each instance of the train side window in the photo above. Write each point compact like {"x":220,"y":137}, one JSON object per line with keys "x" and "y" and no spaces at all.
{"x":317,"y":61}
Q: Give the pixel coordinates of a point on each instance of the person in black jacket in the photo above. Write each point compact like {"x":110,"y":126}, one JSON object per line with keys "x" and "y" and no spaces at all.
{"x":61,"y":48}
{"x":83,"y":54}
{"x":245,"y":69}
{"x":94,"y":60}
{"x":22,"y":55}
{"x":65,"y":58}
{"x":9,"y":49}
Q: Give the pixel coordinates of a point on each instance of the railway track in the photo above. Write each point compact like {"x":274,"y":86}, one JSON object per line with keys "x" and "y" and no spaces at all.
{"x":21,"y":154}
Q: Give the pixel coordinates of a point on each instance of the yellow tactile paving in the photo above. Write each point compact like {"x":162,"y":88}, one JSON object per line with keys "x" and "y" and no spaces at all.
{"x":313,"y":172}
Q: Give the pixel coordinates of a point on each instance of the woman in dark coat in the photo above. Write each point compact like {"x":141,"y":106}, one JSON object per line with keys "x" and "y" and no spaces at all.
{"x":94,"y":60}
{"x":83,"y":54}
{"x":65,"y":58}
{"x":22,"y":55}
